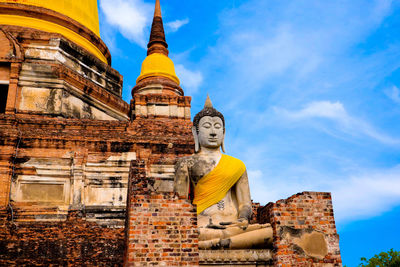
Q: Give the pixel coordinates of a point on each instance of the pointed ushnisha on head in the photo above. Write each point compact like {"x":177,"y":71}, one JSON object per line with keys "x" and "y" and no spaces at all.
{"x":208,"y":110}
{"x":208,"y":103}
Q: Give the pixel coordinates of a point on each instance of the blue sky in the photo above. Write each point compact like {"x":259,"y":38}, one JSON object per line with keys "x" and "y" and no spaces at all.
{"x":309,"y":89}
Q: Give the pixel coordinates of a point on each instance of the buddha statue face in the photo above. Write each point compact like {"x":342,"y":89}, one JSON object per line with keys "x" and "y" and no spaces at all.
{"x":210,"y":132}
{"x":208,"y":128}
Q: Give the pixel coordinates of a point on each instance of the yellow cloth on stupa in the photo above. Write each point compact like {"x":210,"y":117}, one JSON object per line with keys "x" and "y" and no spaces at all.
{"x":213,"y":186}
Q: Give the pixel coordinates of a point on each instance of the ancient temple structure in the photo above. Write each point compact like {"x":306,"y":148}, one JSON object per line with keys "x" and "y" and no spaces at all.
{"x":87,"y":179}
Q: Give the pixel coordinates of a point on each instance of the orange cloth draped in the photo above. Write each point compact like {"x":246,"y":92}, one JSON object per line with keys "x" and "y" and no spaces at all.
{"x":214,"y":185}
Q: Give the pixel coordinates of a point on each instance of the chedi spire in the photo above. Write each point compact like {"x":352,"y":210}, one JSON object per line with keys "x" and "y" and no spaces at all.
{"x":158,"y":71}
{"x":157,"y":42}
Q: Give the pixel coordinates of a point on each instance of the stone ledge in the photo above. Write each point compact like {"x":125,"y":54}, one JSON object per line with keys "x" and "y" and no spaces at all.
{"x":236,"y":256}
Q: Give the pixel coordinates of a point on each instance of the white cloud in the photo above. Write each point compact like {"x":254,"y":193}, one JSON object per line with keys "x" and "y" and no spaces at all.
{"x":335,"y":111}
{"x":394,"y":94}
{"x":260,"y":192}
{"x":361,"y":195}
{"x":130,"y":17}
{"x":174,"y":26}
{"x":108,"y":36}
{"x":191,"y":80}
{"x":366,"y":195}
{"x":278,"y":49}
{"x":264,"y":190}
{"x":322,"y":109}
{"x":262,"y":55}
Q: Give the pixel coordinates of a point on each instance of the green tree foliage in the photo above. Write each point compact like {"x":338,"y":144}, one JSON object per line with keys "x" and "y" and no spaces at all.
{"x":384,"y":259}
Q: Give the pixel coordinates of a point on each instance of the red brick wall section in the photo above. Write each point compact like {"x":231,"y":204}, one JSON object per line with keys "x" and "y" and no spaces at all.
{"x":74,"y":242}
{"x":254,"y":207}
{"x":305,"y":211}
{"x":161,"y":228}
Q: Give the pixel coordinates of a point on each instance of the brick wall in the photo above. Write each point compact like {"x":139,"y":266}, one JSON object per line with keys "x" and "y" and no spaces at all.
{"x":161,"y":228}
{"x":74,"y":242}
{"x":254,"y":207}
{"x":296,"y":221}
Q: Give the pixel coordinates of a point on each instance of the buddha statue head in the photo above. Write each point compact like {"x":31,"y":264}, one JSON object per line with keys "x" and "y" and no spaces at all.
{"x":209,"y":128}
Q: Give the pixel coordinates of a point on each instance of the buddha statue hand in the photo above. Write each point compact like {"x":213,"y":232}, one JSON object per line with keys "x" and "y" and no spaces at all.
{"x":211,"y":225}
{"x":241,"y":223}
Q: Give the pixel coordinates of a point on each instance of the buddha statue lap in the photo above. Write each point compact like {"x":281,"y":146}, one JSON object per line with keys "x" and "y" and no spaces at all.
{"x":218,"y":185}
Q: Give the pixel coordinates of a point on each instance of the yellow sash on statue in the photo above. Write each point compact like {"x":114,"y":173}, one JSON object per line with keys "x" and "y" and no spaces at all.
{"x":214,"y":185}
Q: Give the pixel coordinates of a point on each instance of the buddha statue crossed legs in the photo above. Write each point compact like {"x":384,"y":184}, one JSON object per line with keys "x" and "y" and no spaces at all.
{"x":219,"y":187}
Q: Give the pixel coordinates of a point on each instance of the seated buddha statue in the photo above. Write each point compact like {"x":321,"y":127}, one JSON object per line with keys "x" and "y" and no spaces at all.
{"x":218,"y":185}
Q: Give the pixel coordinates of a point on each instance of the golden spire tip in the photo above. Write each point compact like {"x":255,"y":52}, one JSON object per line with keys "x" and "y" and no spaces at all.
{"x":157,"y":10}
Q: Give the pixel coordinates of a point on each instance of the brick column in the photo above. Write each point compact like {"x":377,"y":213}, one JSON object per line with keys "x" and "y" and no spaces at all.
{"x":13,"y":88}
{"x":10,"y":140}
{"x":304,"y":230}
{"x":161,"y":229}
{"x":6,"y":158}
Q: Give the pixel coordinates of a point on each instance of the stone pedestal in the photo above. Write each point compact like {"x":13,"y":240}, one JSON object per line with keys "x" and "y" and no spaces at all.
{"x":236,"y":257}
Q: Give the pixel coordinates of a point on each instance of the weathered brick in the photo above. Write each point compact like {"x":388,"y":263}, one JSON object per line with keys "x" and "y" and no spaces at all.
{"x":307,"y":210}
{"x":173,"y":234}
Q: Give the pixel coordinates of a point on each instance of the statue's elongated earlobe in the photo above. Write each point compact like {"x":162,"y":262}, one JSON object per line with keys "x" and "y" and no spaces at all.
{"x":196,"y":140}
{"x":223,"y":144}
